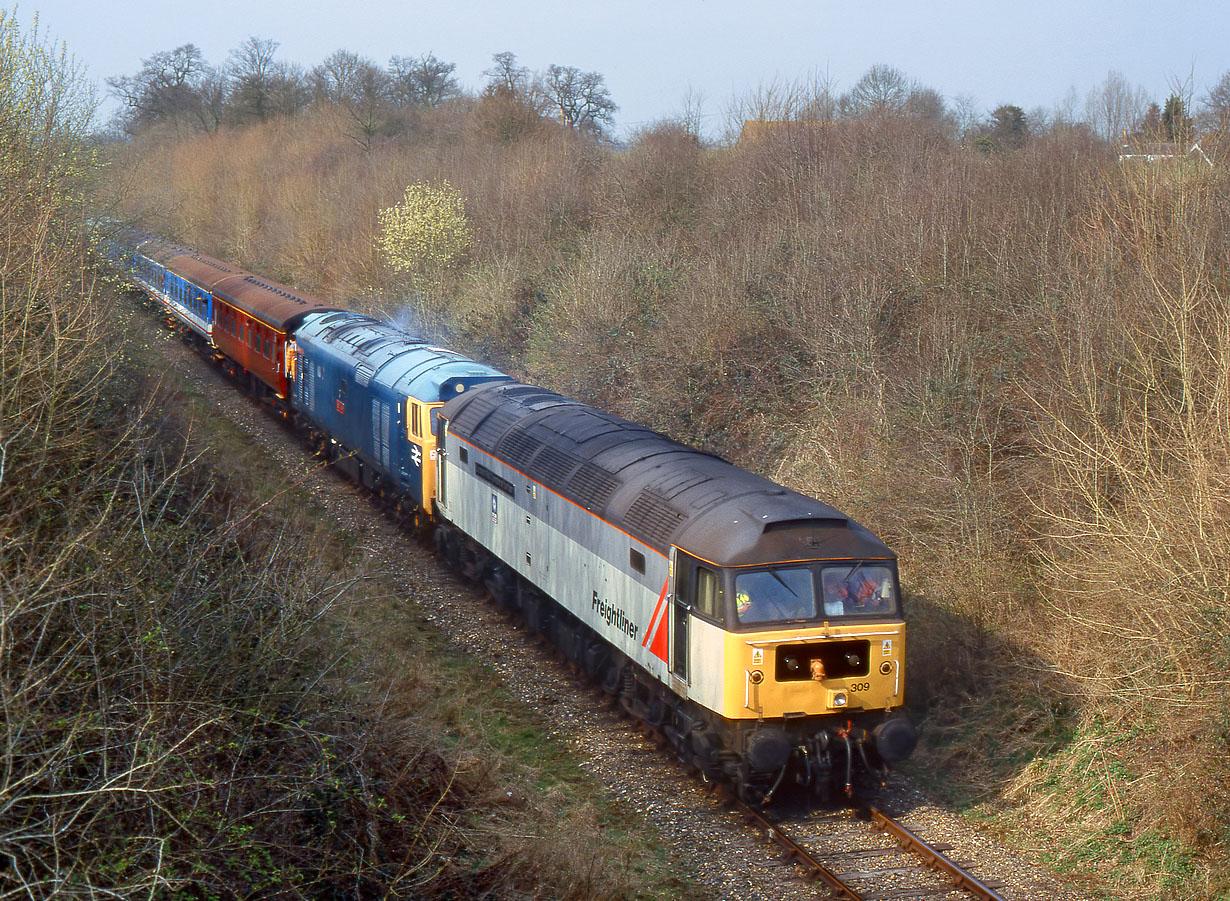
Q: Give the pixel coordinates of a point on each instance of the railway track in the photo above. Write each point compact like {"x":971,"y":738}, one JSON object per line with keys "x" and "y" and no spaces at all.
{"x":872,"y":856}
{"x":862,"y":855}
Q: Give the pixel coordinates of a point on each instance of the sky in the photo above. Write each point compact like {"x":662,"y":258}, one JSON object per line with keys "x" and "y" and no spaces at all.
{"x":656,"y":53}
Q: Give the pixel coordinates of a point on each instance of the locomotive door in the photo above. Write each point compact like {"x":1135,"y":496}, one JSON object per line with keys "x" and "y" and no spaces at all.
{"x":681,"y":608}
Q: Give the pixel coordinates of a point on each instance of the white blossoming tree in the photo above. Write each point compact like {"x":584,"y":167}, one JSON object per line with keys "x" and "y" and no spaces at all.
{"x":424,"y":236}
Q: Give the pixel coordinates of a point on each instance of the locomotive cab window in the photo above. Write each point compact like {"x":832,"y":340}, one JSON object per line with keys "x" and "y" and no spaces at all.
{"x":791,"y":594}
{"x":636,"y":560}
{"x":416,"y":420}
{"x":859,"y":590}
{"x":699,"y":588}
{"x":775,"y":595}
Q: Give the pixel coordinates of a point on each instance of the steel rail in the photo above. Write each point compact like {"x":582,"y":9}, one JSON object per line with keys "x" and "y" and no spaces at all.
{"x":933,"y":858}
{"x":812,"y":868}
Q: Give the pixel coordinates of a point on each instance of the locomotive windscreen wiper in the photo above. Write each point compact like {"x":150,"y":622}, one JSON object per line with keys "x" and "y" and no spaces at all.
{"x":774,"y":574}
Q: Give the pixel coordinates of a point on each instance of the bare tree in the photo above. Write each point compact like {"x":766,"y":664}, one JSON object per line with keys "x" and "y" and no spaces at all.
{"x":252,"y":72}
{"x":1066,"y":114}
{"x":336,"y":80}
{"x":581,"y":98}
{"x":1115,"y":108}
{"x":358,"y":86}
{"x":776,"y":100}
{"x":965,"y":114}
{"x":1215,"y":110}
{"x":290,"y":90}
{"x":170,"y":87}
{"x":506,"y":75}
{"x":927,"y":105}
{"x":422,"y":81}
{"x":213,"y":89}
{"x":882,"y":91}
{"x":692,"y":114}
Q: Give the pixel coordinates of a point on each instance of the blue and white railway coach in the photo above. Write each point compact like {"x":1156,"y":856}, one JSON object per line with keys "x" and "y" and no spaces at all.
{"x":181,"y":279}
{"x":188,"y":291}
{"x":371,"y":393}
{"x":760,"y":628}
{"x":144,"y":257}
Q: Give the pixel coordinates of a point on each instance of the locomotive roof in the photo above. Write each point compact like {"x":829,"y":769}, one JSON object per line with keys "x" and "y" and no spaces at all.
{"x":657,"y":490}
{"x":274,"y":304}
{"x":391,"y":357}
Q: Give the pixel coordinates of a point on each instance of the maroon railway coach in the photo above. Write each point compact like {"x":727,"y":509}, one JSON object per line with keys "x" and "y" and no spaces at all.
{"x":252,"y":318}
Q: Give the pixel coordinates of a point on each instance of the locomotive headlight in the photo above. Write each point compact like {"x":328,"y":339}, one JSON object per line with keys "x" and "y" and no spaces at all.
{"x":838,"y":699}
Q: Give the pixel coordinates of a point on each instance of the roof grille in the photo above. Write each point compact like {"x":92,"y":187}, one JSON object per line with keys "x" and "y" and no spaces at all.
{"x":491,"y":429}
{"x":516,"y":448}
{"x":680,"y":482}
{"x":214,"y":263}
{"x":469,"y":417}
{"x":528,"y":394}
{"x":552,"y":467}
{"x":654,"y":517}
{"x":592,"y":487}
{"x":815,"y":522}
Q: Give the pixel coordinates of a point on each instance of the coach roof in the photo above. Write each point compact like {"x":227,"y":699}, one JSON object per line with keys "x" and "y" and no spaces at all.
{"x":273,"y":304}
{"x":201,"y":269}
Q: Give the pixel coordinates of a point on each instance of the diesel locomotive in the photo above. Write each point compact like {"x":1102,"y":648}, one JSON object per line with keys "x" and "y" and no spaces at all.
{"x":758,"y":629}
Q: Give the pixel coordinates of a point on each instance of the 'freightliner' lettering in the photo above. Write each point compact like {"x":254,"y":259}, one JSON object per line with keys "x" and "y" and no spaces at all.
{"x":615,"y":617}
